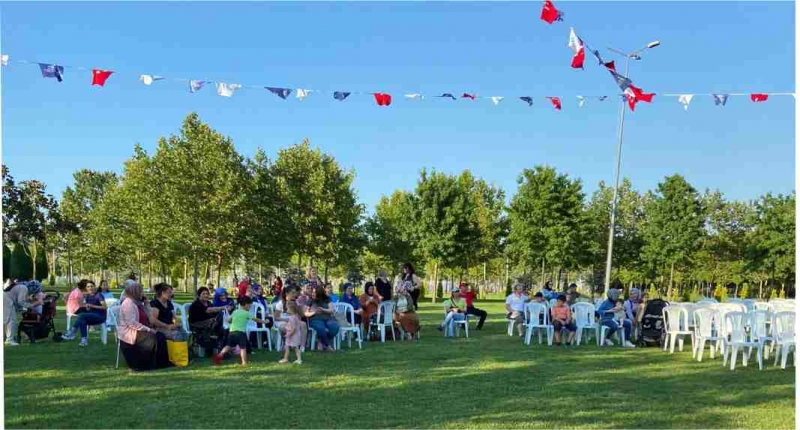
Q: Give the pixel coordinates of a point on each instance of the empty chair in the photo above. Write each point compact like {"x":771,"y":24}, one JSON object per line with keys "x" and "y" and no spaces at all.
{"x":704,"y":320}
{"x":749,"y":304}
{"x":113,"y":315}
{"x":676,"y":323}
{"x":735,"y":323}
{"x":384,"y":320}
{"x":538,"y":319}
{"x":759,"y":331}
{"x":784,"y":337}
{"x":706,"y":300}
{"x":585,"y":320}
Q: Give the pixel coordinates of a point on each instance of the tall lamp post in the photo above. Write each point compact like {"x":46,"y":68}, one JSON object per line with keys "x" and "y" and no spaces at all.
{"x":628,"y":56}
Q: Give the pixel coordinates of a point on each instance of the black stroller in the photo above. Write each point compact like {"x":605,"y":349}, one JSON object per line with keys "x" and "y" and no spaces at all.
{"x":38,"y":326}
{"x":652,"y":331}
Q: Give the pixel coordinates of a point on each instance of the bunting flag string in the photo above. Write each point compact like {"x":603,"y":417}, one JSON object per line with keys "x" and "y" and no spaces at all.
{"x":629,"y":92}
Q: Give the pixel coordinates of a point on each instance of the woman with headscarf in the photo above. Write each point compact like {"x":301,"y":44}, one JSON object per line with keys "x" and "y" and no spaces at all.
{"x":405,"y":313}
{"x":632,"y":304}
{"x":369,"y":302}
{"x":16,"y":298}
{"x":221,"y":299}
{"x":607,"y":311}
{"x":383,"y":285}
{"x":143,"y":347}
{"x":408,"y":280}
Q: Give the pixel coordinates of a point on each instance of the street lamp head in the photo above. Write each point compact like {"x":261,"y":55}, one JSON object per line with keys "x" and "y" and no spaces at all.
{"x":653,"y":44}
{"x":635,"y":57}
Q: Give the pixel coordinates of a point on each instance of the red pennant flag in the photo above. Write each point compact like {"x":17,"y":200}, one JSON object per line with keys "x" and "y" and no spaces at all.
{"x":383,"y":99}
{"x":556,"y":102}
{"x":610,"y":65}
{"x":549,"y":12}
{"x":99,"y":76}
{"x":576,"y":44}
{"x":468,"y":96}
{"x":758,"y":97}
{"x":636,"y":95}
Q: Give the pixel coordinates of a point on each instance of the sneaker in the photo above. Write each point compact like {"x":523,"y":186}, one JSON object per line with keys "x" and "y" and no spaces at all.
{"x":218,"y":359}
{"x":11,"y":342}
{"x":440,"y":327}
{"x":283,"y":361}
{"x":608,"y":342}
{"x":69,"y":335}
{"x":297,"y":362}
{"x":628,"y":344}
{"x":84,"y":342}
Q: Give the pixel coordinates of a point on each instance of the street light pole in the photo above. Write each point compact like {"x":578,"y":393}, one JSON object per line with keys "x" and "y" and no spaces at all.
{"x":612,"y":224}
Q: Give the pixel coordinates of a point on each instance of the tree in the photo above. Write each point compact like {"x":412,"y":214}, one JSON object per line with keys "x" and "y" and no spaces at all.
{"x":673,"y":225}
{"x":390,"y":232}
{"x":20,"y":262}
{"x":29,"y":213}
{"x":773,"y":241}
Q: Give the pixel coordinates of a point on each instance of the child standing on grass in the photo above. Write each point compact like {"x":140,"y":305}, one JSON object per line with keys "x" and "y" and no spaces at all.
{"x":295,"y":328}
{"x":238,"y":331}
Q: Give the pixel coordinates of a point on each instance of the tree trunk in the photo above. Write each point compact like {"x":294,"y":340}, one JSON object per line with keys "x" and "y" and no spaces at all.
{"x":219,"y":269}
{"x":260,"y":275}
{"x":761,"y":290}
{"x":505,"y":285}
{"x":671,"y":275}
{"x":69,"y":264}
{"x":149,"y":275}
{"x":558,"y":282}
{"x":481,"y":290}
{"x":185,"y":275}
{"x":435,"y":281}
{"x":542,"y":272}
{"x":326,"y":272}
{"x":196,"y":272}
{"x":116,"y":277}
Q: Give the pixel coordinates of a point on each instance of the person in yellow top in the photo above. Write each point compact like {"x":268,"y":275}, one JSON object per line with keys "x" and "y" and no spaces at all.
{"x":456,"y":310}
{"x":238,"y":331}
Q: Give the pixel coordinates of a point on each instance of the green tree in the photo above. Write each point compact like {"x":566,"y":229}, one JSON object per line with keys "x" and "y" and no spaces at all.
{"x":673,"y":227}
{"x":21,"y":264}
{"x":773,"y":241}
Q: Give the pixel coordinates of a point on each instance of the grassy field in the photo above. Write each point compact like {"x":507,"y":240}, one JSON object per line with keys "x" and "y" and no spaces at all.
{"x":487,"y":381}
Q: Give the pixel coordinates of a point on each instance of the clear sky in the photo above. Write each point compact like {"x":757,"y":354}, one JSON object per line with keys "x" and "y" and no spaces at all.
{"x":51,"y":129}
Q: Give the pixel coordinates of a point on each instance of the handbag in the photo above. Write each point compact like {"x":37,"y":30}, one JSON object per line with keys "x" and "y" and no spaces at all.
{"x":178,"y":352}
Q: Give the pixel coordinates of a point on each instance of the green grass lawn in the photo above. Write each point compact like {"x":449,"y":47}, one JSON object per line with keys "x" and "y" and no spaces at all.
{"x":487,"y":381}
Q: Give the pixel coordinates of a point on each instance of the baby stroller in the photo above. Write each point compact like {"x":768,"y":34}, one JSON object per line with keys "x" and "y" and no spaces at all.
{"x":652,"y":331}
{"x":39,"y":325}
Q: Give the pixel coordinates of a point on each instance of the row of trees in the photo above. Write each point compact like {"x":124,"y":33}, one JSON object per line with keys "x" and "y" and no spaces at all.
{"x":196,"y":208}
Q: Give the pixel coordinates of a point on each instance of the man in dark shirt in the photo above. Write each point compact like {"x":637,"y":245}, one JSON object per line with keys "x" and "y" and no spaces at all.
{"x":469,"y":296}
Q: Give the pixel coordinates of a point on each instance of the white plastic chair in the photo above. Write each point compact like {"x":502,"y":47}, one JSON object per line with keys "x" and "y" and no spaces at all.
{"x":706,"y":301}
{"x":534,"y":313}
{"x":551,"y":303}
{"x":784,"y":337}
{"x":585,"y":320}
{"x":113,"y":316}
{"x":676,"y":325}
{"x":185,"y":316}
{"x":454,"y":323}
{"x":749,"y":304}
{"x":735,"y":323}
{"x":384,"y":319}
{"x":722,"y":329}
{"x":257,"y":310}
{"x":704,"y":319}
{"x":347,"y":331}
{"x":760,"y":330}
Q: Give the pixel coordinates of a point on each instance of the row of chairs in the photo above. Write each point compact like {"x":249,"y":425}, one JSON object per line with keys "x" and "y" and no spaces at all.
{"x":538,"y":320}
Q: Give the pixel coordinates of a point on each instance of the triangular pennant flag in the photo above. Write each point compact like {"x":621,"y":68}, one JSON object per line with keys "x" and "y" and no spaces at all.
{"x":528,"y":100}
{"x":581,"y":101}
{"x":4,"y":59}
{"x":576,"y":44}
{"x":227,"y":90}
{"x":149,"y":79}
{"x":447,"y":95}
{"x":468,"y":96}
{"x":636,"y":95}
{"x":414,"y":96}
{"x":759,"y":97}
{"x":302,"y":94}
{"x":52,"y":71}
{"x":549,"y":12}
{"x":720,"y":99}
{"x":194,"y":85}
{"x":610,"y":66}
{"x":383,"y":99}
{"x":496,"y":100}
{"x":99,"y":77}
{"x":556,"y":102}
{"x":685,"y":99}
{"x":280,"y":92}
{"x":602,"y":98}
{"x":340,"y":95}
{"x":596,"y":53}
{"x":622,"y":81}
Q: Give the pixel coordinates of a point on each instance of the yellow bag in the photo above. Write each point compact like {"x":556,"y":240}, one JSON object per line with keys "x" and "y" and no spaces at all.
{"x":178,"y":352}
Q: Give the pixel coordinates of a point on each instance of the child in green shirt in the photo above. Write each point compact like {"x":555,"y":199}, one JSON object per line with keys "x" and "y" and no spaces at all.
{"x":238,"y":330}
{"x":456,"y":310}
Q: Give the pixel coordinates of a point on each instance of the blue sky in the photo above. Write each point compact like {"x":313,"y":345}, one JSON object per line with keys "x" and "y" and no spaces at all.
{"x":745,"y":149}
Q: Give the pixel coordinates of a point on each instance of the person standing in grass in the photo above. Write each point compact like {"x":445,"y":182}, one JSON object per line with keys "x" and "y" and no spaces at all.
{"x":383,"y":285}
{"x":295,"y":334}
{"x":94,"y":313}
{"x":408,"y":280}
{"x":608,"y":312}
{"x":238,"y":330}
{"x":456,"y":308}
{"x":16,"y":298}
{"x":469,"y":296}
{"x":562,"y":319}
{"x":515,"y":308}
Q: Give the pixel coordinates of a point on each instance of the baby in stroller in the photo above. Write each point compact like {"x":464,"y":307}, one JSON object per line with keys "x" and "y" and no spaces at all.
{"x":39,"y":321}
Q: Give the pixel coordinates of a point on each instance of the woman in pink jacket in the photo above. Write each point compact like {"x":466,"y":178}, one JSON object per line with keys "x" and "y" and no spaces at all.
{"x":143,"y":347}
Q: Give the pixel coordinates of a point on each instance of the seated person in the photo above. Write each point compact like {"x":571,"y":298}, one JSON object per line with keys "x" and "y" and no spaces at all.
{"x":369,"y":301}
{"x":608,"y":312}
{"x":562,"y":319}
{"x":515,"y":308}
{"x":456,"y":308}
{"x":162,"y":313}
{"x":321,"y":319}
{"x":572,"y":294}
{"x":143,"y":347}
{"x":350,"y":298}
{"x":104,"y":290}
{"x":206,"y":318}
{"x":304,"y":297}
{"x":221,"y":299}
{"x":547,"y":291}
{"x":469,"y":295}
{"x":94,"y":313}
{"x":329,"y":291}
{"x":405,"y":314}
{"x":77,"y":298}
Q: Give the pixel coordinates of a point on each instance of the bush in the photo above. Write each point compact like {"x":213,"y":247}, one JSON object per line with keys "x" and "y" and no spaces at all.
{"x":21,"y":264}
{"x":744,"y":292}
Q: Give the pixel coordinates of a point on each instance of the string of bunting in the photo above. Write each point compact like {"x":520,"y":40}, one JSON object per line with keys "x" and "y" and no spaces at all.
{"x":550,"y":14}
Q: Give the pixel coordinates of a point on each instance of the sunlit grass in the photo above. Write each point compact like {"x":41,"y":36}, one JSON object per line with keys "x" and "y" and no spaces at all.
{"x":487,"y":381}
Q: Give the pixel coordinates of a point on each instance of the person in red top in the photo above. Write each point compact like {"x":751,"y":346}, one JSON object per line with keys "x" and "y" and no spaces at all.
{"x":469,"y":296}
{"x":243,"y":286}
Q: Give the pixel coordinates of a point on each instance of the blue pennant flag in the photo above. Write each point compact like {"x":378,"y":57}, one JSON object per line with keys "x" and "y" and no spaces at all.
{"x":194,"y":86}
{"x":720,"y":99}
{"x":447,"y":95}
{"x":528,"y":100}
{"x":52,"y":71}
{"x":340,"y":95}
{"x":280,"y":92}
{"x":622,"y":81}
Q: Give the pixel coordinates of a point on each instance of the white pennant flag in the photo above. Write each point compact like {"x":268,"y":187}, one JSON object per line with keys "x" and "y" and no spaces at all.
{"x":414,"y":96}
{"x":149,"y":79}
{"x":4,"y":59}
{"x":301,"y":94}
{"x":685,"y":99}
{"x":581,"y":101}
{"x":496,"y":100}
{"x":227,"y":90}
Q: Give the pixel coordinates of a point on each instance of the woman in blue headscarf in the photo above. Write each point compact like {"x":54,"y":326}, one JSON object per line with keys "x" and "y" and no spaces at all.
{"x":221,"y":298}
